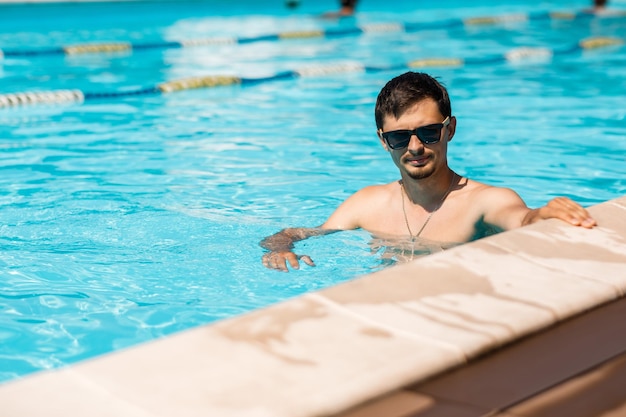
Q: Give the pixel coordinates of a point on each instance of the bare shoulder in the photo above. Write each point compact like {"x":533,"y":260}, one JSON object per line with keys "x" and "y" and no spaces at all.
{"x":360,"y":206}
{"x":377,"y":191}
{"x":372,"y":196}
{"x":489,"y":194}
{"x":498,"y":206}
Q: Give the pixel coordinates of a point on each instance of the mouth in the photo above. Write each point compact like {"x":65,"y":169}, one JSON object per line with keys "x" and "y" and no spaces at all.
{"x":417,"y":161}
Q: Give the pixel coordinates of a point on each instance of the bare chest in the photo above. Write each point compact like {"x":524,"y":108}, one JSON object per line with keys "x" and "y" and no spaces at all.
{"x":452,"y":222}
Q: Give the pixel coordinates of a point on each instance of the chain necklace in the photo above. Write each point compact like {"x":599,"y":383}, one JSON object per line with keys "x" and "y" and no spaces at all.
{"x":406,"y":220}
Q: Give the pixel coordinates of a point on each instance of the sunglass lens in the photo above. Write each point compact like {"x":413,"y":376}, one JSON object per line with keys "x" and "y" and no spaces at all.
{"x":398,"y":139}
{"x":429,"y":135}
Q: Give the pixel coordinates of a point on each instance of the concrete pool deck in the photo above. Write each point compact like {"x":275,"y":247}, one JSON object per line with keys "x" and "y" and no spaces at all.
{"x":511,"y":325}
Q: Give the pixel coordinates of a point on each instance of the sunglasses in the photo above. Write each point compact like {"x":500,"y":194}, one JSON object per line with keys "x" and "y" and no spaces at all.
{"x":429,"y":134}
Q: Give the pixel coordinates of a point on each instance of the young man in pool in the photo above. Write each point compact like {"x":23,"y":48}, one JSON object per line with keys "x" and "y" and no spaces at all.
{"x":430,"y":202}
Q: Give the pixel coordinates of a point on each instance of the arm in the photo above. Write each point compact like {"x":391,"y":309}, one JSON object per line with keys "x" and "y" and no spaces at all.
{"x":346,"y":217}
{"x":561,"y":208}
{"x":505,"y":209}
{"x":280,"y":246}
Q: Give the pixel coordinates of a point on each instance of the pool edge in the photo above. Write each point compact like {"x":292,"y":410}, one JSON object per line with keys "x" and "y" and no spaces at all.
{"x":327,"y":352}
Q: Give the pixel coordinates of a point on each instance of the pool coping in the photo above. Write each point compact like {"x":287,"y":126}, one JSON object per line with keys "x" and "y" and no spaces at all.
{"x":329,"y":351}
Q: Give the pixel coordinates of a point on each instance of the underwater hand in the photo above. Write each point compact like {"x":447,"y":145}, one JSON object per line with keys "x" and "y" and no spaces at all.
{"x":278,"y":260}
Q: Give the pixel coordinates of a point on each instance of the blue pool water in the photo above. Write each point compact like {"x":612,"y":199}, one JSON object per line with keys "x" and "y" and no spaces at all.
{"x":124,"y":219}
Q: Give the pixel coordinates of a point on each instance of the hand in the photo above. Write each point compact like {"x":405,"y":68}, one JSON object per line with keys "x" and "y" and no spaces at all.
{"x":278,"y":260}
{"x":565,"y":209}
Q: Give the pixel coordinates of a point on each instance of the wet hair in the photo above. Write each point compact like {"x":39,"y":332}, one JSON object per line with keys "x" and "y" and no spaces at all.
{"x":404,"y":91}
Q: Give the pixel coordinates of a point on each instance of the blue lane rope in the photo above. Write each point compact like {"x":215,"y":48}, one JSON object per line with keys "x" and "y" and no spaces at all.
{"x":210,"y":81}
{"x":90,"y":48}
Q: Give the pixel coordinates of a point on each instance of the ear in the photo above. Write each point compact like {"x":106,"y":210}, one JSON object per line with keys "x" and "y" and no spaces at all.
{"x":451,"y":128}
{"x":382,"y":141}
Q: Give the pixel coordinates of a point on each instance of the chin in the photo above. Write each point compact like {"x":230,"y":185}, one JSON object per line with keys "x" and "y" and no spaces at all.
{"x":418,"y":173}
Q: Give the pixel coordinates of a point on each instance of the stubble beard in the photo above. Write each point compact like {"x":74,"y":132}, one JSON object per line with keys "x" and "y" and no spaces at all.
{"x":421,"y":172}
{"x":420,"y":175}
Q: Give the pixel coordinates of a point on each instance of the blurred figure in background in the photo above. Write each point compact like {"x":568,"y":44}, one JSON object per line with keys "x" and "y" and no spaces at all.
{"x":601,"y":8}
{"x":347,"y":9}
{"x":599,"y":4}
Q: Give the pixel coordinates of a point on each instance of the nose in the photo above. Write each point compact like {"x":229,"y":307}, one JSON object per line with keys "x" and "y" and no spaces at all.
{"x":415,"y":144}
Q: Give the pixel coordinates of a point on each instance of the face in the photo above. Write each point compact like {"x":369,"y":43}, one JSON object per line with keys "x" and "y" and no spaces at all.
{"x":416,"y":159}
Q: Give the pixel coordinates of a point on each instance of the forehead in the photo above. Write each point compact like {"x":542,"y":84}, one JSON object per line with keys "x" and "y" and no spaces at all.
{"x":421,"y":113}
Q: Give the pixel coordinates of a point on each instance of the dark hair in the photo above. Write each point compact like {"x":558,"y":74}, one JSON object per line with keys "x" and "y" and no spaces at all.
{"x":403,"y":91}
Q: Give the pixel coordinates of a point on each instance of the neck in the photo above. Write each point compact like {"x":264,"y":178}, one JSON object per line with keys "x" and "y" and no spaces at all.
{"x":428,"y":192}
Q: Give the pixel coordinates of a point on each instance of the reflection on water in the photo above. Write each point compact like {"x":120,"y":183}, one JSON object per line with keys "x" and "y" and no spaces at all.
{"x":398,"y":249}
{"x":395,"y":249}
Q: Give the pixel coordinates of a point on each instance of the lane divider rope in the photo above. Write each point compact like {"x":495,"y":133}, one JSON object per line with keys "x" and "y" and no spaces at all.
{"x":41,"y":97}
{"x":97,"y":48}
{"x":112,"y":47}
{"x":210,"y":81}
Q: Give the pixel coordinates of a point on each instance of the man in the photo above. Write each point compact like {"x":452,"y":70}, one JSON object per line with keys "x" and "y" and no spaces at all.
{"x":598,"y":7}
{"x":430,"y":202}
{"x":347,"y":9}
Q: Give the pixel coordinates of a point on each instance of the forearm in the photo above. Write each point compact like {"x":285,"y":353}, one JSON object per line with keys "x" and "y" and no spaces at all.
{"x":281,"y":241}
{"x":284,"y":240}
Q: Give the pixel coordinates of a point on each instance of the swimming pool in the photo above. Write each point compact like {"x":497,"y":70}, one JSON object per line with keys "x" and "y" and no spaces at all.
{"x":127,"y":218}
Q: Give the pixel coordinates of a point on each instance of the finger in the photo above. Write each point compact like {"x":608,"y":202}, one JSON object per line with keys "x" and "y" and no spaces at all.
{"x":580,"y":217}
{"x":587,"y":220}
{"x":267,"y":260}
{"x":274,"y":261}
{"x":307,"y":260}
{"x":589,"y":223}
{"x":281,"y":265}
{"x":293,"y":261}
{"x":279,"y":262}
{"x":570,"y":211}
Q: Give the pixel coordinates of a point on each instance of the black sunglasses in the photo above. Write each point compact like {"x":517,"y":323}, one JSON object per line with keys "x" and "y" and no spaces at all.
{"x":398,"y":139}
